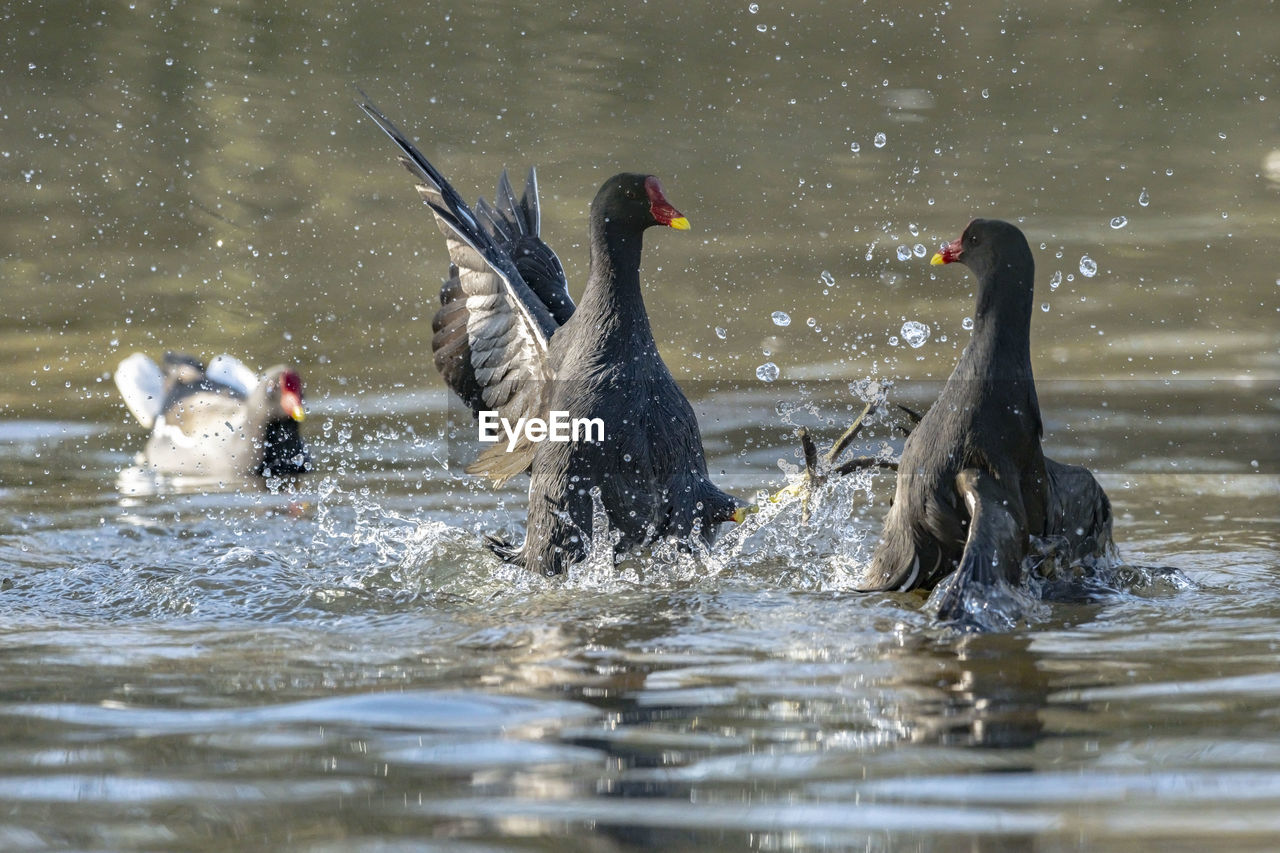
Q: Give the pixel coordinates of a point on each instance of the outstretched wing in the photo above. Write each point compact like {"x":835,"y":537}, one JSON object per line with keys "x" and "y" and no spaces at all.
{"x":230,"y":371}
{"x":516,"y":228}
{"x":492,"y":330}
{"x":141,"y":383}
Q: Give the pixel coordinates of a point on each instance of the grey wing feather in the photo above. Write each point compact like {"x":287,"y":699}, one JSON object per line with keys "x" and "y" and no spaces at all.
{"x":492,"y":330}
{"x":515,"y":227}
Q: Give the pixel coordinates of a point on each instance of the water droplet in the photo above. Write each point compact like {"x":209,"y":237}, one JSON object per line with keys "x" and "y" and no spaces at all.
{"x":1044,"y":306}
{"x":1055,"y":279}
{"x":753,"y":7}
{"x":767,"y":372}
{"x":827,"y":278}
{"x":915,"y":333}
{"x":1118,"y":222}
{"x":919,"y":250}
{"x":893,"y":340}
{"x":168,"y":60}
{"x":904,"y":253}
{"x":966,"y":323}
{"x":880,"y":140}
{"x":1088,"y":266}
{"x":1169,"y":172}
{"x":812,"y":322}
{"x":781,"y":318}
{"x":855,"y":147}
{"x":722,"y":332}
{"x":986,"y":93}
{"x":914,"y":229}
{"x":1221,"y":135}
{"x":1143,"y":198}
{"x":762,"y":28}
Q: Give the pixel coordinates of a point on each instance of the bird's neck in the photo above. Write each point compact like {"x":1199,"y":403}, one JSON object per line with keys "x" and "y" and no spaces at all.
{"x":1001,"y":344}
{"x":612,"y":301}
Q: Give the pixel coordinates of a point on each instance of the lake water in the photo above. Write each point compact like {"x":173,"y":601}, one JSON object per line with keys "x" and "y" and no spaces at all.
{"x":341,"y":665}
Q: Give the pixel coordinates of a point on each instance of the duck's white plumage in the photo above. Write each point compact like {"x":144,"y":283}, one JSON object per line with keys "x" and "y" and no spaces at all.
{"x":223,"y":420}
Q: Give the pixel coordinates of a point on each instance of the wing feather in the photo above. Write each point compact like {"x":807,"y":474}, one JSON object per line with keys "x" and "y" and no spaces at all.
{"x":141,"y":383}
{"x":492,"y":331}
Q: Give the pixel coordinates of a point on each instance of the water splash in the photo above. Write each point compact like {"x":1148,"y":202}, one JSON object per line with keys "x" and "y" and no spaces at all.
{"x":768,"y":372}
{"x":915,"y":333}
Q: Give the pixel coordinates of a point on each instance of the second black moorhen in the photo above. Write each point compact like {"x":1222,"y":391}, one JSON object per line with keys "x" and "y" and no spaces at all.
{"x":973,"y":483}
{"x":508,"y":339}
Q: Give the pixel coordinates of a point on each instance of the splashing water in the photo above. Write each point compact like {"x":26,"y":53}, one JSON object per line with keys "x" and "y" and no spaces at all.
{"x":915,"y":333}
{"x":768,"y":372}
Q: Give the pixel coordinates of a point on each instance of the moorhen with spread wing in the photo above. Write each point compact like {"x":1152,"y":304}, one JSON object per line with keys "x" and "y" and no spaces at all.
{"x":508,"y":339}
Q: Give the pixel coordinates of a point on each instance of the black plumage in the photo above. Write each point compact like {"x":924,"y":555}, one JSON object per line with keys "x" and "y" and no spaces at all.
{"x":973,"y":483}
{"x":509,"y":339}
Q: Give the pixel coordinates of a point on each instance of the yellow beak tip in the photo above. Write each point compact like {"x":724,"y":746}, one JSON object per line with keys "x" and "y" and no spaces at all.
{"x":740,"y":514}
{"x":680,"y":223}
{"x":297,"y":414}
{"x":937,"y":260}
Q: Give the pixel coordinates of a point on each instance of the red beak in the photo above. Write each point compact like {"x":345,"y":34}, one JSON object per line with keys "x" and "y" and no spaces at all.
{"x":948,"y":253}
{"x":661,"y":209}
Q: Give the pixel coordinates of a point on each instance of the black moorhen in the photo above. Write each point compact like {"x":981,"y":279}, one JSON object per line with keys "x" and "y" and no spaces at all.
{"x":508,"y":339}
{"x":221,"y":422}
{"x":973,"y":484}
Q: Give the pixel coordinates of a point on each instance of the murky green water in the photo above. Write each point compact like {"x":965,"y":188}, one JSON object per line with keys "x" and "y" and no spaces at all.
{"x":343,"y":667}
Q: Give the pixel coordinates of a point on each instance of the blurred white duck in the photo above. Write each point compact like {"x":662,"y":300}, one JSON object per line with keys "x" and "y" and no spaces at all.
{"x":223,"y":421}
